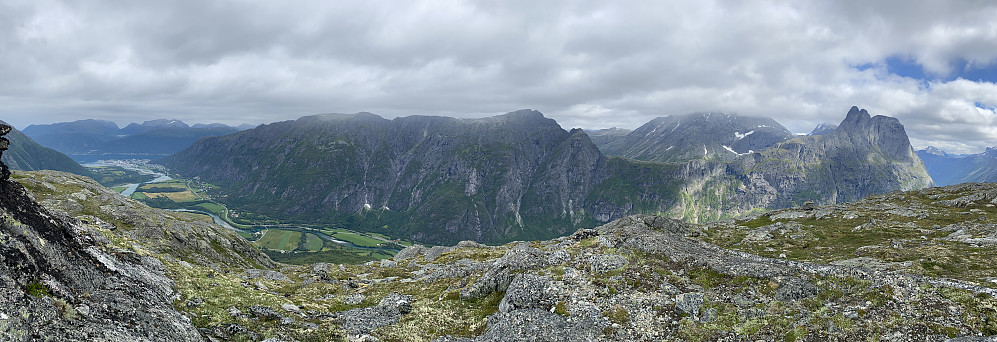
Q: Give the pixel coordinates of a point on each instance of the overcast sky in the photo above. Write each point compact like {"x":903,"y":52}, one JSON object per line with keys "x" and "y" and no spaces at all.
{"x":590,"y":64}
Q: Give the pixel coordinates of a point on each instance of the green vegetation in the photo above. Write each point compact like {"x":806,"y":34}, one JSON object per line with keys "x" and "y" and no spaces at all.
{"x":37,"y":289}
{"x":358,"y":239}
{"x":286,"y":240}
{"x":335,"y":256}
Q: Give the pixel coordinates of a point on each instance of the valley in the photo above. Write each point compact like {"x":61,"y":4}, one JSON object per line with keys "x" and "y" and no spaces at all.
{"x":282,"y":241}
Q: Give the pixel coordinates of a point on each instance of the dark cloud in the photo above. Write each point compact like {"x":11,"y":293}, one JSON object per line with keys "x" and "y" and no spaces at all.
{"x":585,"y":63}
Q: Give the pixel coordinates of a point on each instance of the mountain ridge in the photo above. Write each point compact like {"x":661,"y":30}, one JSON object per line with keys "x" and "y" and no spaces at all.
{"x":521,"y":176}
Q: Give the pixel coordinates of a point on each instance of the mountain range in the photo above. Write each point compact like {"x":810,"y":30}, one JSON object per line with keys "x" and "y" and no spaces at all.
{"x":521,"y":176}
{"x":91,"y":140}
{"x":947,"y":169}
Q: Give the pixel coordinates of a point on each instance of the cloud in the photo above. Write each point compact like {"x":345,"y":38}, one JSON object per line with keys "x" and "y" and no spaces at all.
{"x":585,"y":63}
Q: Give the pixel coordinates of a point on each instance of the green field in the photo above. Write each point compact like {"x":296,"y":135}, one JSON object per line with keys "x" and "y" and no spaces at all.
{"x":119,"y":189}
{"x":139,"y":195}
{"x":212,"y":208}
{"x":280,"y":239}
{"x":358,"y":239}
{"x":313,"y":242}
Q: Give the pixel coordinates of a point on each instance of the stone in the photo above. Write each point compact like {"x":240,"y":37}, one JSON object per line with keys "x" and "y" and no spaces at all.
{"x":603,"y":263}
{"x":689,"y":303}
{"x":792,"y":289}
{"x":364,"y":320}
{"x":409,"y":252}
{"x":353,"y":299}
{"x":291,"y":308}
{"x":436,"y":251}
{"x":265,"y":313}
{"x":528,"y":291}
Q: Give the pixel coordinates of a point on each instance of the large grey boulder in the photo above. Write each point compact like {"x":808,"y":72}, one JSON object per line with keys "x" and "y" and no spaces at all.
{"x":364,"y":320}
{"x":529,"y":291}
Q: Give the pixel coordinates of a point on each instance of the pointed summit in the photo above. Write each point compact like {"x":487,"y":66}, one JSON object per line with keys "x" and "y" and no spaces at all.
{"x":855,"y":117}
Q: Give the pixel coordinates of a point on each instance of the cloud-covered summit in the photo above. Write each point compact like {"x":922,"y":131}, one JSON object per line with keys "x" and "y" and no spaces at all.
{"x":586,"y":64}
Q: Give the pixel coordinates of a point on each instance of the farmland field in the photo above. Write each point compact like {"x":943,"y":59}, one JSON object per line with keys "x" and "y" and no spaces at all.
{"x":358,"y":239}
{"x":280,"y":239}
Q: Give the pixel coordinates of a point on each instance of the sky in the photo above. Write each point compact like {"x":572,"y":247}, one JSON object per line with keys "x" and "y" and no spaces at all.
{"x":589,"y":64}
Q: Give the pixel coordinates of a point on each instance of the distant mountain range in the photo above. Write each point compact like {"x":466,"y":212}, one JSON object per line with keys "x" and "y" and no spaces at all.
{"x":947,"y":169}
{"x":521,"y":176}
{"x":25,"y":154}
{"x":697,"y":136}
{"x":91,"y":140}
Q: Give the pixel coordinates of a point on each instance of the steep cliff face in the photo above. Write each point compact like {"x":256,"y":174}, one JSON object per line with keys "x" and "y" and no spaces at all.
{"x":863,"y":155}
{"x":697,"y":136}
{"x":431,"y":178}
{"x":520,"y":176}
{"x":61,"y":281}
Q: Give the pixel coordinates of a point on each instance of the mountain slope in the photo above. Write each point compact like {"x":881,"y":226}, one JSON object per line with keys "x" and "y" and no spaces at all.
{"x":863,"y":155}
{"x":681,"y":138}
{"x":26,"y":154}
{"x":946,"y":169}
{"x":520,"y":176}
{"x":431,"y":178}
{"x":62,"y":281}
{"x":914,"y":270}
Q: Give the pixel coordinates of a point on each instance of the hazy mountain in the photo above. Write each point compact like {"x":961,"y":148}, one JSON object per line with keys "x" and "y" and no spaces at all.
{"x":163,"y":141}
{"x":91,"y":140}
{"x":74,"y":137}
{"x":823,"y":129}
{"x":605,"y":136}
{"x":25,"y":154}
{"x":151,"y":125}
{"x":948,"y":169}
{"x":697,"y":136}
{"x":520,"y":175}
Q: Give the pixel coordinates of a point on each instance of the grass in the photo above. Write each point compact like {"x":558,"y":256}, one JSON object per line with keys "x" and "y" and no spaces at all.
{"x":280,"y":240}
{"x":212,"y":208}
{"x":178,"y":197}
{"x":358,"y":239}
{"x":313,"y":242}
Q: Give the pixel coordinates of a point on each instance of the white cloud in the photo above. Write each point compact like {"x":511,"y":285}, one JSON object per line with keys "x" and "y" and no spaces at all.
{"x":585,"y":63}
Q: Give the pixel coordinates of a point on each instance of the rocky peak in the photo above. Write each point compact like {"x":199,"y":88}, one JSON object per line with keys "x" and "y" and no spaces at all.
{"x":884,"y":132}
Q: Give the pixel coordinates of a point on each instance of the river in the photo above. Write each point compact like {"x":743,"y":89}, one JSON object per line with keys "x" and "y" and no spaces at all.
{"x":130,"y":165}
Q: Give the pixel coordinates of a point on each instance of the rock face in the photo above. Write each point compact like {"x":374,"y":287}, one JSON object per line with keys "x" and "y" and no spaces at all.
{"x":948,"y":169}
{"x":60,"y":281}
{"x":697,"y":136}
{"x":25,"y":154}
{"x":431,"y":178}
{"x":520,"y":176}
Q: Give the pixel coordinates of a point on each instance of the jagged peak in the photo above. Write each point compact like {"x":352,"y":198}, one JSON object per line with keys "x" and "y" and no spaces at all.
{"x":855,"y":117}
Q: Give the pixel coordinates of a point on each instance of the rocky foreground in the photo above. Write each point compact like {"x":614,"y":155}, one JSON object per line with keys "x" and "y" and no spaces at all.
{"x":640,"y":278}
